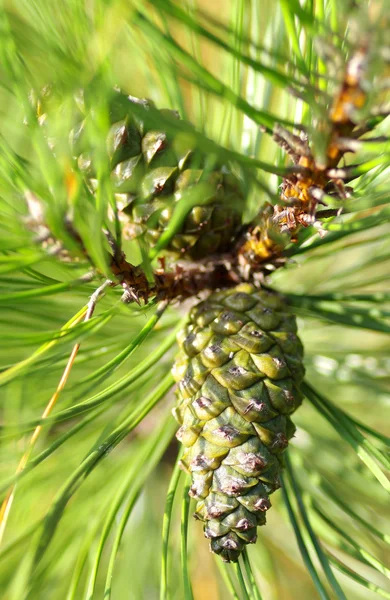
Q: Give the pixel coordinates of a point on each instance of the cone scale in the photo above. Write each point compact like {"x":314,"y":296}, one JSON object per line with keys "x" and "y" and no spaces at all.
{"x":238,"y":371}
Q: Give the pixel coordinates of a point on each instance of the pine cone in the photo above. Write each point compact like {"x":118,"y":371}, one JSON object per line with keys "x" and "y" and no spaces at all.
{"x":152,"y":171}
{"x":239,"y":371}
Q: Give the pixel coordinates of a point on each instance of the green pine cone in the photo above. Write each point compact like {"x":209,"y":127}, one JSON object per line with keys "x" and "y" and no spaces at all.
{"x":239,"y":370}
{"x":152,"y":171}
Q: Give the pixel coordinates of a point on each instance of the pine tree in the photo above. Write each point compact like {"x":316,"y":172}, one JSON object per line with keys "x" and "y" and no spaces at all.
{"x":284,"y":107}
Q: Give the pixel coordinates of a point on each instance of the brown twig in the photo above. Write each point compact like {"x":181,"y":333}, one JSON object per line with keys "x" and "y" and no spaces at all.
{"x":302,"y":192}
{"x":260,"y":246}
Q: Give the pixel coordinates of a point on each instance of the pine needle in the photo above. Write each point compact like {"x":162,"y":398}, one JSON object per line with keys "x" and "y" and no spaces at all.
{"x":85,"y":316}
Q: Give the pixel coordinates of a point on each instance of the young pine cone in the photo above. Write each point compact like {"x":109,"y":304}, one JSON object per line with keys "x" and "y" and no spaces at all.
{"x":239,"y":371}
{"x":152,"y":171}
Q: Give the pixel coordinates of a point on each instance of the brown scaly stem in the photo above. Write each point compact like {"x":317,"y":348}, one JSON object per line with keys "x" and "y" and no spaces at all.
{"x":302,"y":192}
{"x":260,"y":247}
{"x":178,"y":284}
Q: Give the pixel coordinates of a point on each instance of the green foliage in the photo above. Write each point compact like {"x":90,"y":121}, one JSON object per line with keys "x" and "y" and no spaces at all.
{"x":88,"y":518}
